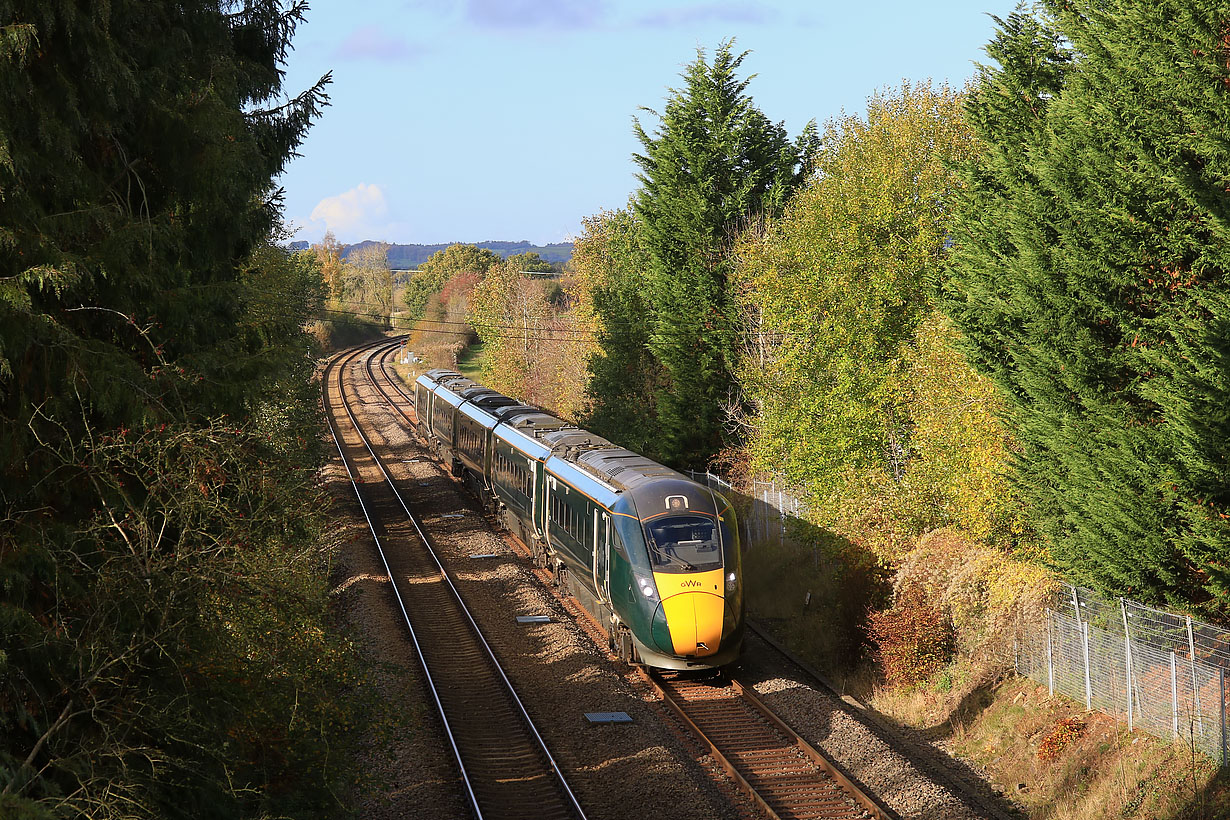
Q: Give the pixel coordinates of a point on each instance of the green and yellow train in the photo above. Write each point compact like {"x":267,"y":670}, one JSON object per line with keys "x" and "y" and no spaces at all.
{"x":653,"y":555}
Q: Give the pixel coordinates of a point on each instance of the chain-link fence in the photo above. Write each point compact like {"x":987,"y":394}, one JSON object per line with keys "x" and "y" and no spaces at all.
{"x":765,"y":510}
{"x":1160,"y":672}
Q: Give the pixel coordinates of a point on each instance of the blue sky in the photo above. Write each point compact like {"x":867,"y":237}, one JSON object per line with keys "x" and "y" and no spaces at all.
{"x":469,"y":120}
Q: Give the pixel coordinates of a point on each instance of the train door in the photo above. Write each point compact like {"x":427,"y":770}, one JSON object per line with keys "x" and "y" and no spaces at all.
{"x":602,"y":542}
{"x":548,"y":485}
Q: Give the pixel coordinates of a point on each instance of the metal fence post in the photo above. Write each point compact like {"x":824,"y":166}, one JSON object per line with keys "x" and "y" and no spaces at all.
{"x":781,"y":514}
{"x":1050,"y":651}
{"x":1088,"y":682}
{"x":1174,"y":693}
{"x":1221,"y":679}
{"x":1127,"y":654}
{"x":1191,"y":654}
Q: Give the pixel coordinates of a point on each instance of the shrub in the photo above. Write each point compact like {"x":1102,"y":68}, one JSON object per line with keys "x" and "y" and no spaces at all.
{"x":913,"y":640}
{"x":988,"y":594}
{"x":1065,"y":733}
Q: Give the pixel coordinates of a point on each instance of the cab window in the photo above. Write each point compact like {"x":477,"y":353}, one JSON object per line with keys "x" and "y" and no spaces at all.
{"x":684,"y":543}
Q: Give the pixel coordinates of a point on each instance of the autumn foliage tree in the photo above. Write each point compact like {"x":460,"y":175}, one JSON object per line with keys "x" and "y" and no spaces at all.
{"x":444,"y":330}
{"x":366,"y":284}
{"x":439,"y":268}
{"x":534,"y":348}
{"x":853,"y":385}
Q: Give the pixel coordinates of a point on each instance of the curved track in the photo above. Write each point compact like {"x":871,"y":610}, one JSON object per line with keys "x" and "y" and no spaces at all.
{"x":507,"y":770}
{"x":779,"y":770}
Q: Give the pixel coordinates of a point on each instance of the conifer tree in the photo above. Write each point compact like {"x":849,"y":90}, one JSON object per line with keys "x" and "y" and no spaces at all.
{"x":153,"y":370}
{"x":713,"y":162}
{"x":1091,"y":281}
{"x":611,"y":266}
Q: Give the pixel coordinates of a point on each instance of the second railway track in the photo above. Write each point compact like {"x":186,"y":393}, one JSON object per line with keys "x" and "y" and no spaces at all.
{"x":505,"y":765}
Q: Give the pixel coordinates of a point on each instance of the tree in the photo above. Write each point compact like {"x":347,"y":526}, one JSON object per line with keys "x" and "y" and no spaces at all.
{"x":1091,"y":283}
{"x":610,"y":267}
{"x":156,"y":416}
{"x":442,"y":266}
{"x":329,"y":256}
{"x":367,"y":282}
{"x":443,"y":332}
{"x":856,"y":393}
{"x":531,"y":262}
{"x":533,"y":347}
{"x":714,"y":162}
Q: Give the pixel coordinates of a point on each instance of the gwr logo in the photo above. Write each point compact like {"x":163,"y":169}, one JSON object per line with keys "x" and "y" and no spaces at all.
{"x":689,"y":583}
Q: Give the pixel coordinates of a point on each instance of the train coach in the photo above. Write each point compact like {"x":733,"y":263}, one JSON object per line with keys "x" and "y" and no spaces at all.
{"x":653,"y":555}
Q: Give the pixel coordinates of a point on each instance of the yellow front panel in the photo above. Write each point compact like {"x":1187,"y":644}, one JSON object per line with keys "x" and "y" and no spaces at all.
{"x":694,"y":610}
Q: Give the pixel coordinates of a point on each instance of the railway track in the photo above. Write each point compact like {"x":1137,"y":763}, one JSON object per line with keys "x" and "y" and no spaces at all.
{"x":505,"y":766}
{"x":780,"y":771}
{"x":767,"y":759}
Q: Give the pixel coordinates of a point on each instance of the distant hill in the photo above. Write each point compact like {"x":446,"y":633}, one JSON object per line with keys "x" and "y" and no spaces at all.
{"x":411,"y":256}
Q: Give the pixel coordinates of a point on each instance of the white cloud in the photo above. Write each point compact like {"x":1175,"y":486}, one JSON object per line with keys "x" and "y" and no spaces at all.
{"x":527,"y":14}
{"x":375,"y":43}
{"x":361,"y":210}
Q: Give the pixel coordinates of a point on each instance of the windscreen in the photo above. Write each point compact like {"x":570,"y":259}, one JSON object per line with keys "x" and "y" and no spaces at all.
{"x":684,"y":543}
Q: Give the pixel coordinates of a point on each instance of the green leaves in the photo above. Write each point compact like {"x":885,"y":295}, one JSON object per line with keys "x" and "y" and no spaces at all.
{"x":850,"y":378}
{"x":157,"y":445}
{"x":1090,"y":281}
{"x":714,"y":163}
{"x":440,"y":267}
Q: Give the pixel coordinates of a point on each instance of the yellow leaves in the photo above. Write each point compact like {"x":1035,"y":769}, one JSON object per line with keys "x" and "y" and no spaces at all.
{"x":986,"y":591}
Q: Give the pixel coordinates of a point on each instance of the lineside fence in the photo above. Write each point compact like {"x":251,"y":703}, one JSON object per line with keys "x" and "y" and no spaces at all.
{"x":764,"y":513}
{"x":1162,"y":673}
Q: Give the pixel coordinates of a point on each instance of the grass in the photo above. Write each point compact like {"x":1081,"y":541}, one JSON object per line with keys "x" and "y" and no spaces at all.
{"x":470,"y":361}
{"x":1096,"y":770}
{"x":999,"y":726}
{"x":1090,"y":766}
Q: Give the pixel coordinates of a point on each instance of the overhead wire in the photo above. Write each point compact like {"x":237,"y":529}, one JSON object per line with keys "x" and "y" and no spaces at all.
{"x":575,"y":334}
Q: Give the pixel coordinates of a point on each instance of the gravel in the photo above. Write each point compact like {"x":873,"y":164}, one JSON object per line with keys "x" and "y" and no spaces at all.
{"x":650,"y":767}
{"x":644,"y":768}
{"x":895,"y":766}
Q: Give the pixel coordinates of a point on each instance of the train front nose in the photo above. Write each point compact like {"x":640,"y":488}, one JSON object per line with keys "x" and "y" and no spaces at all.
{"x":692,"y":610}
{"x":695,"y":623}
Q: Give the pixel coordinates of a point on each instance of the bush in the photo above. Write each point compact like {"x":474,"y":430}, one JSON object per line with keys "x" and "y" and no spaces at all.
{"x":1065,"y":733}
{"x":988,"y":594}
{"x":913,"y":640}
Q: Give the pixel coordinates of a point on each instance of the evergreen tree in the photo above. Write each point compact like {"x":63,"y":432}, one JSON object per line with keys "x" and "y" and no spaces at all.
{"x":158,"y":618}
{"x":714,"y":162}
{"x":1091,"y":281}
{"x":611,"y":267}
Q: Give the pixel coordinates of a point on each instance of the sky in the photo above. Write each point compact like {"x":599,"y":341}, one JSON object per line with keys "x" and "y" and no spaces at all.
{"x":474,"y":120}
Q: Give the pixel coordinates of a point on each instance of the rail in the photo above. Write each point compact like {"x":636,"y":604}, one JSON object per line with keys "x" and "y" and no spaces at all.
{"x":779,"y":770}
{"x":505,"y":765}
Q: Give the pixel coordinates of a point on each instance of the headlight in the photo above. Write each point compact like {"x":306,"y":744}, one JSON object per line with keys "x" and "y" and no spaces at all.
{"x":732,"y":582}
{"x":647,"y":587}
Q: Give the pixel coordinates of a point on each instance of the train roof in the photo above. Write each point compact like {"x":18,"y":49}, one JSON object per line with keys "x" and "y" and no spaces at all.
{"x":623,"y":468}
{"x":561,"y":441}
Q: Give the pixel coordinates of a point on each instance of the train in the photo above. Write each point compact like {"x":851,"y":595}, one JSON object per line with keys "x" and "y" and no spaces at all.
{"x":653,"y":555}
